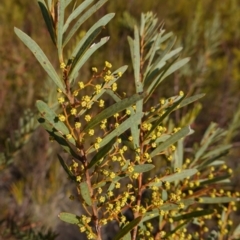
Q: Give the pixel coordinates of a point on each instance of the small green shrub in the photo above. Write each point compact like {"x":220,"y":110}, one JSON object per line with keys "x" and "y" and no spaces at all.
{"x":129,"y":161}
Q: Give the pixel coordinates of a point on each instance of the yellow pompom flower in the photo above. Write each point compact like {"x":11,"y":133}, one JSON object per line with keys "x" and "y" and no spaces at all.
{"x":77,"y":125}
{"x":61,"y":99}
{"x":81,"y":85}
{"x":88,"y":117}
{"x":61,"y":117}
{"x":91,"y":132}
{"x":107,"y":64}
{"x":73,"y":111}
{"x":94,"y":69}
{"x":114,"y":87}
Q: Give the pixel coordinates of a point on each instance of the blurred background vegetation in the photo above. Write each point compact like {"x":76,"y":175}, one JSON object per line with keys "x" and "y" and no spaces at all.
{"x":33,"y":187}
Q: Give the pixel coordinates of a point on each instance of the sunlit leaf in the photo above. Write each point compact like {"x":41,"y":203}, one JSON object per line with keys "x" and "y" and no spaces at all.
{"x":179,"y":154}
{"x":90,"y":36}
{"x":218,"y":179}
{"x":85,"y":57}
{"x":210,"y":161}
{"x":207,"y":139}
{"x":67,"y":2}
{"x":171,"y":140}
{"x":143,"y":168}
{"x":85,"y":193}
{"x":76,"y":13}
{"x":50,"y":3}
{"x":135,"y":55}
{"x":83,"y":18}
{"x":153,"y":51}
{"x":60,"y":22}
{"x":236,"y":232}
{"x":127,"y":236}
{"x":119,"y":130}
{"x":69,"y":218}
{"x":41,"y":57}
{"x":220,"y":150}
{"x":191,"y":99}
{"x":216,"y":200}
{"x":175,"y":66}
{"x":179,"y":176}
{"x":174,"y":177}
{"x":115,"y":108}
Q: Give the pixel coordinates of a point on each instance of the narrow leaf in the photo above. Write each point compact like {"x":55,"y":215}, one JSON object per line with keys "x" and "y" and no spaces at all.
{"x":204,"y":146}
{"x":84,"y":46}
{"x":114,"y":181}
{"x":101,"y":153}
{"x":179,"y":154}
{"x":175,"y":177}
{"x":91,"y":34}
{"x":83,"y":18}
{"x":171,"y":140}
{"x":181,"y":225}
{"x":60,"y":22}
{"x":85,"y":193}
{"x":150,"y":215}
{"x":65,"y":144}
{"x":119,"y":130}
{"x":49,"y":3}
{"x":220,"y":179}
{"x":135,"y":55}
{"x":194,"y":214}
{"x":67,"y":2}
{"x":47,"y":113}
{"x":48,"y":19}
{"x":161,"y":118}
{"x":220,"y":150}
{"x":85,"y":57}
{"x":158,"y":63}
{"x":211,"y":160}
{"x":191,"y":99}
{"x":236,"y":233}
{"x":40,"y":56}
{"x":153,"y":82}
{"x":143,"y":168}
{"x":166,"y":207}
{"x":115,"y":108}
{"x":65,"y":167}
{"x":216,"y":200}
{"x":76,"y":13}
{"x":171,"y":54}
{"x":180,"y":176}
{"x":153,"y":50}
{"x":176,"y":66}
{"x":127,"y":228}
{"x":127,"y":236}
{"x":69,"y":218}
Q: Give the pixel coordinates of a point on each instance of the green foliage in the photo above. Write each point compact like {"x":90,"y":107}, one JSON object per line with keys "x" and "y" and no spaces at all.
{"x":116,"y":140}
